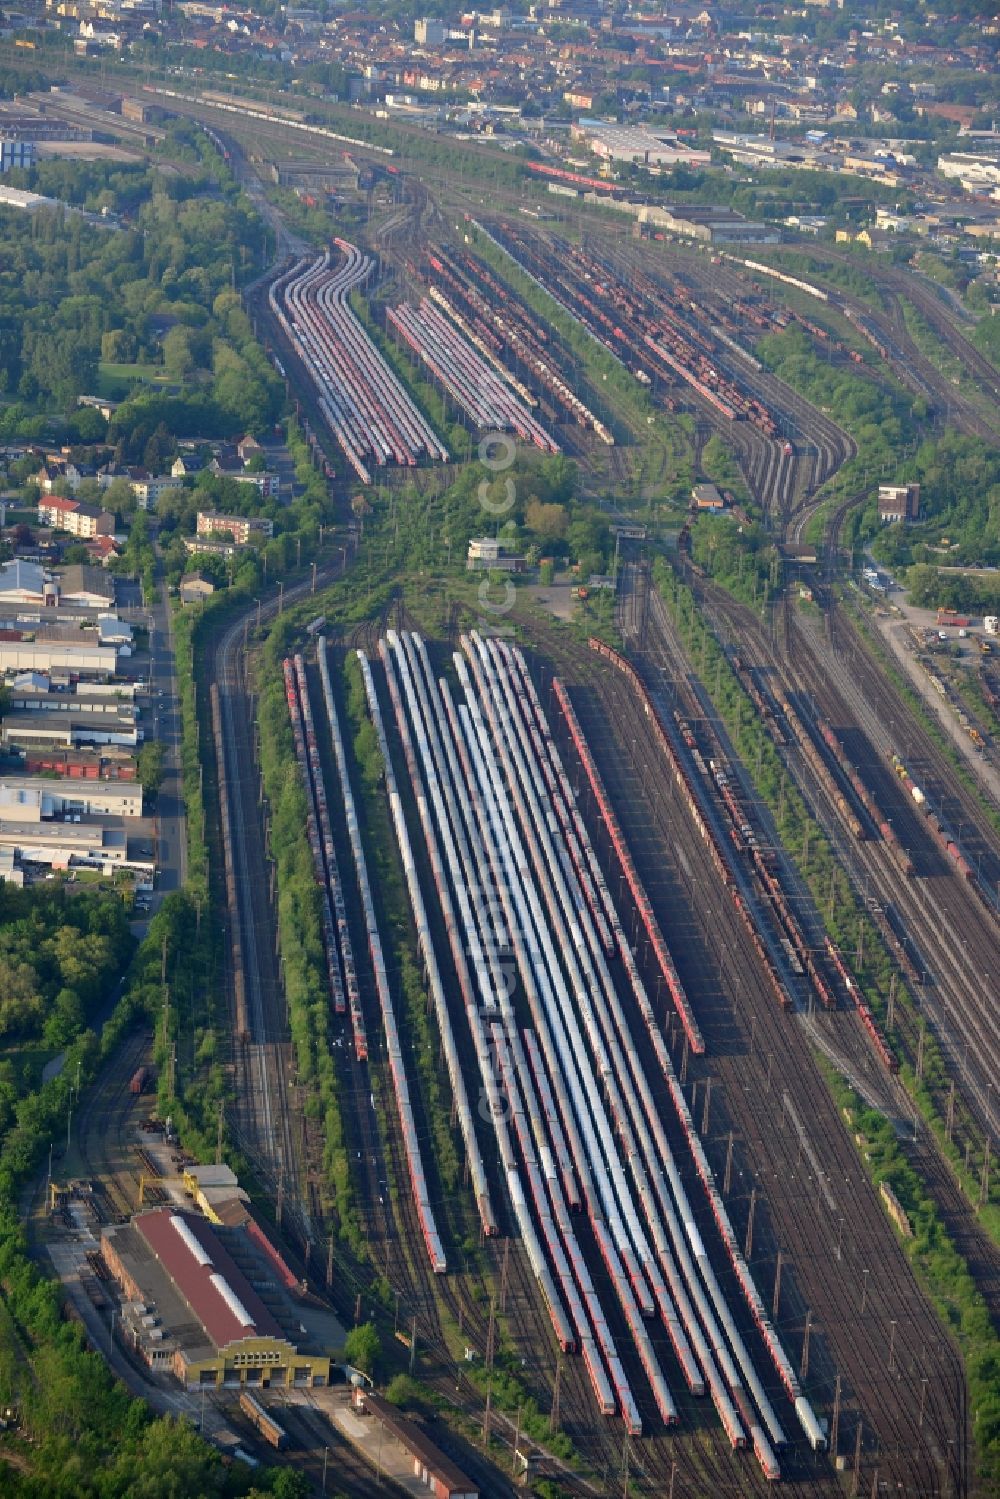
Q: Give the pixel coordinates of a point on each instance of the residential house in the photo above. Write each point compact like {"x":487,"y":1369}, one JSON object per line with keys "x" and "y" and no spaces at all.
{"x":146,"y":487}
{"x":54,"y":472}
{"x":101,"y":549}
{"x":85,"y":521}
{"x":185,"y":465}
{"x":240,"y":527}
{"x":267,"y":485}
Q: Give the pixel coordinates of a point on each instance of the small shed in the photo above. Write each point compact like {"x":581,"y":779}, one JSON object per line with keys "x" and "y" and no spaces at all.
{"x":195,"y":588}
{"x":707,"y":497}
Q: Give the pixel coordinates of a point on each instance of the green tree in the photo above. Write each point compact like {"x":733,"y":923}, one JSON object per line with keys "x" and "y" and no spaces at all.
{"x":118,"y":346}
{"x":119,"y":497}
{"x":363,"y":1347}
{"x":150,"y":767}
{"x":548,"y":521}
{"x":178,"y":354}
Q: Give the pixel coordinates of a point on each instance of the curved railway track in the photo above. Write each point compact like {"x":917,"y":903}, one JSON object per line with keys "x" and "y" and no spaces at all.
{"x":101,"y":1133}
{"x":783,"y":484}
{"x":909,"y":363}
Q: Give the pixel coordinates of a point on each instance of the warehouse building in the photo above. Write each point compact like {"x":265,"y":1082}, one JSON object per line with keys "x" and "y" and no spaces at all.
{"x":641,"y":146}
{"x":430,"y":1465}
{"x":89,"y":586}
{"x":710,"y":224}
{"x":104,"y":764}
{"x":708,"y":497}
{"x":190,"y":1307}
{"x":38,"y":798}
{"x":488,"y":554}
{"x":111,"y":724}
{"x":898,"y":502}
{"x":60,"y":845}
{"x":78,"y":658}
{"x":25,"y":583}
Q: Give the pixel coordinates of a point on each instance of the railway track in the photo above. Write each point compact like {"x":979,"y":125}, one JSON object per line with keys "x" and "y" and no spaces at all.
{"x":393,"y":1229}
{"x":106,"y":1153}
{"x":752,"y":1046}
{"x":961,"y":949}
{"x":782,"y":483}
{"x":859,"y":1221}
{"x":909,"y":363}
{"x":263,"y":1112}
{"x":321,"y":1449}
{"x":950,"y":960}
{"x":264,"y":1054}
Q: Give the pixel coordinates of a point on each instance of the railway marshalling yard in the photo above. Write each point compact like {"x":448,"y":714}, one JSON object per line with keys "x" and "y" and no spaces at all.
{"x":662,"y":1222}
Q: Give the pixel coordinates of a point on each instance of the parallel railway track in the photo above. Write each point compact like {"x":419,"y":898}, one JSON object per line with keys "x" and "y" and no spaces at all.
{"x":954,"y":956}
{"x":756,"y":1051}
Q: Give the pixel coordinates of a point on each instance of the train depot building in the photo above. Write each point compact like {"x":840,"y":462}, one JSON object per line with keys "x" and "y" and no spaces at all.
{"x":430,"y":1465}
{"x":205,"y":1303}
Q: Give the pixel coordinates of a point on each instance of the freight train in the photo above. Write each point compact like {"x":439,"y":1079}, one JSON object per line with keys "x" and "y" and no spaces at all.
{"x":497,"y":320}
{"x":764,"y":866}
{"x":336,"y":937}
{"x":939,"y":829}
{"x":232,"y":905}
{"x":634,"y":320}
{"x":745,"y":1280}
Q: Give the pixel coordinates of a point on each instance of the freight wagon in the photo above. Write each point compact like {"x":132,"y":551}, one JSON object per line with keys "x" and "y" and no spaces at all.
{"x":140,"y":1078}
{"x":265,"y":1424}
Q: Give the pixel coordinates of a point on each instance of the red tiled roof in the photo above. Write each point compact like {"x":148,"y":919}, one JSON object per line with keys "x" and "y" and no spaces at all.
{"x":194,"y":1280}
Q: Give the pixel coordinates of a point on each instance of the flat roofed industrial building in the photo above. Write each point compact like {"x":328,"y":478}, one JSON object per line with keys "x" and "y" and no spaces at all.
{"x":109,"y":725}
{"x":81,"y":658}
{"x":63,"y":845}
{"x":192,"y":1310}
{"x":31,"y":798}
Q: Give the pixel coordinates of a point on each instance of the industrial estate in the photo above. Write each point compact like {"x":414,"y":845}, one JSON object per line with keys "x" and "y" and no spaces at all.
{"x":499,"y":787}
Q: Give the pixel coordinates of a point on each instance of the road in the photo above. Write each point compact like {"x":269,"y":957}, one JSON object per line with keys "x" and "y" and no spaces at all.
{"x":893,"y":632}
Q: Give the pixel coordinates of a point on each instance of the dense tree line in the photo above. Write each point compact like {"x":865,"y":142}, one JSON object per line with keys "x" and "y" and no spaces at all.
{"x":157,"y":291}
{"x":56,"y":950}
